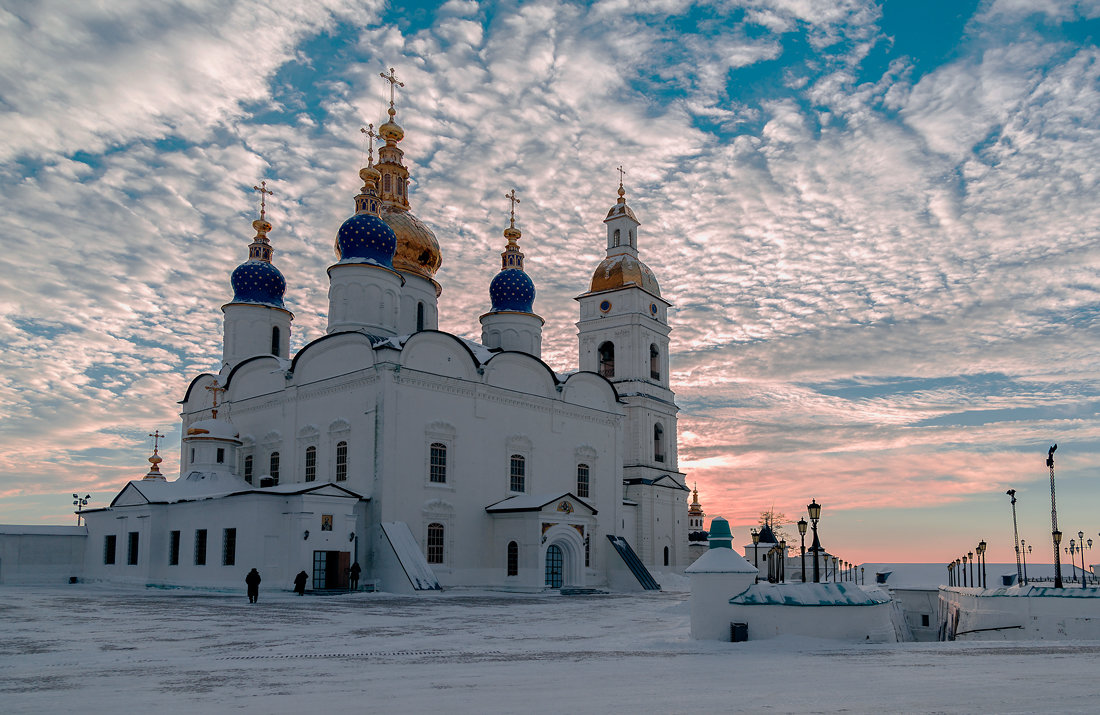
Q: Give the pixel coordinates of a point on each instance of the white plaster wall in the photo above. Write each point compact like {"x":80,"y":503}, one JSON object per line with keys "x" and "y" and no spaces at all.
{"x":988,"y":615}
{"x":871,"y":624}
{"x":37,"y":558}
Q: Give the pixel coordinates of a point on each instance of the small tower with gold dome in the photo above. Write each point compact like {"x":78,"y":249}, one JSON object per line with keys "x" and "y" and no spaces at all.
{"x":155,"y":460}
{"x":511,"y":323}
{"x":623,"y":336}
{"x":417,"y":256}
{"x":256,"y":321}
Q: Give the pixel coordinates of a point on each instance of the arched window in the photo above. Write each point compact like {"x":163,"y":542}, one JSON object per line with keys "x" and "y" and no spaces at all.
{"x":273,"y":468}
{"x":615,"y":238}
{"x":435,"y":543}
{"x":437,"y":468}
{"x":666,"y":556}
{"x":311,"y":464}
{"x":582,"y":481}
{"x":632,"y":239}
{"x":658,"y":443}
{"x":419,"y":316}
{"x":513,"y":558}
{"x":341,"y":461}
{"x":607,"y":359}
{"x":654,"y":362}
{"x":517,"y":473}
{"x":248,"y":468}
{"x":386,"y":184}
{"x":276,"y":338}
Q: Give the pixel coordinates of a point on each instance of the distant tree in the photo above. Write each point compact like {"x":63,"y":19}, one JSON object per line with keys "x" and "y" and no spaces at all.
{"x":777,"y":520}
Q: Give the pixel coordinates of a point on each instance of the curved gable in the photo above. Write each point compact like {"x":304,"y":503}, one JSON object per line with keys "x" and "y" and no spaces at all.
{"x":521,"y":372}
{"x":588,"y":389}
{"x":439,"y":353}
{"x":331,"y":355}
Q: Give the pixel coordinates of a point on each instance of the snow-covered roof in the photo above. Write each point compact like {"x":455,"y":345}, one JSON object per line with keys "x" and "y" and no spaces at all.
{"x":43,"y":530}
{"x":199,"y":485}
{"x":721,"y":561}
{"x":535,"y":502}
{"x":809,"y":594}
{"x":1072,"y":591}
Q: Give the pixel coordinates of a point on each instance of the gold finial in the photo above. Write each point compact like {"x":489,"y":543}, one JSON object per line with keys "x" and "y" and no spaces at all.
{"x":622,"y":191}
{"x":215,"y":388}
{"x":155,"y":460}
{"x":371,"y":136}
{"x":156,"y":435}
{"x":512,"y":197}
{"x":392,"y":79}
{"x":264,"y":193}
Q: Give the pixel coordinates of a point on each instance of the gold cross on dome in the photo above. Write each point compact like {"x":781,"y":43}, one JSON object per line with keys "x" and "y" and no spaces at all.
{"x":264,"y":193}
{"x":156,"y":435}
{"x":512,"y":197}
{"x":371,"y":136}
{"x":392,"y":79}
{"x":215,"y":388}
{"x":622,"y":172}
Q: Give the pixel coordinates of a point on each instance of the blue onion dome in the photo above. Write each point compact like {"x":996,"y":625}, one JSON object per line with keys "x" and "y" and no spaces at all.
{"x":257,"y":280}
{"x":365,"y":237}
{"x":512,"y":290}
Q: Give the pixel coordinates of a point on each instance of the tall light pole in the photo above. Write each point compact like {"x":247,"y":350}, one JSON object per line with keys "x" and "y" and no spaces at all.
{"x":951,"y":573}
{"x":1016,"y":536}
{"x":80,"y":502}
{"x":755,"y":541}
{"x":802,"y":533}
{"x":964,"y":571}
{"x":985,"y":573}
{"x":814,"y":511}
{"x":1024,"y":548}
{"x":1081,"y":548}
{"x":782,"y":561}
{"x":1054,"y":521}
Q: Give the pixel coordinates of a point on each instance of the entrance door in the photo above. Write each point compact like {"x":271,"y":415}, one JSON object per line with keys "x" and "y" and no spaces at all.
{"x":554,"y":566}
{"x":330,"y":569}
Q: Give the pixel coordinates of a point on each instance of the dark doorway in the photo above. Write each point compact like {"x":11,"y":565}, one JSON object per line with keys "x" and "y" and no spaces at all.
{"x":554,"y":565}
{"x":330,"y":569}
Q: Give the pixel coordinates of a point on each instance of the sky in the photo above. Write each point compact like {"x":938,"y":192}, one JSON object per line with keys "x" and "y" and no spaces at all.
{"x":876,"y":223}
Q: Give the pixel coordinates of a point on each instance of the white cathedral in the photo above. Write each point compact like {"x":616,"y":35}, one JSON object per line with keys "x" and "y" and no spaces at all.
{"x":428,"y":459}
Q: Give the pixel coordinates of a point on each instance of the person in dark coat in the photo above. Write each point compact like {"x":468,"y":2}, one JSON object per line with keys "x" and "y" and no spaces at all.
{"x":355,"y":571}
{"x":252,"y":580}
{"x":300,"y":583}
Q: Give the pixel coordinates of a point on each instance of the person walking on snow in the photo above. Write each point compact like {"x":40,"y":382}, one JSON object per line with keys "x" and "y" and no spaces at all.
{"x":252,"y":580}
{"x":355,"y":571}
{"x":300,"y":583}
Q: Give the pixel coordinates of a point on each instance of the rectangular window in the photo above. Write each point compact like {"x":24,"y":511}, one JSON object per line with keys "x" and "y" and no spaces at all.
{"x":248,"y":469}
{"x":311,"y":464}
{"x":924,"y":619}
{"x":582,"y":481}
{"x":200,"y":547}
{"x":229,"y":547}
{"x":174,"y":549}
{"x":438,"y":467}
{"x":221,"y":455}
{"x":517,"y":481}
{"x":341,"y":461}
{"x":132,"y":548}
{"x":435,"y":543}
{"x":273,"y":463}
{"x":109,"y":548}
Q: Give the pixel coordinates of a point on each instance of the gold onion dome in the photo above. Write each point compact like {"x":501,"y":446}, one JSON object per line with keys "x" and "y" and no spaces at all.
{"x":623,"y":270}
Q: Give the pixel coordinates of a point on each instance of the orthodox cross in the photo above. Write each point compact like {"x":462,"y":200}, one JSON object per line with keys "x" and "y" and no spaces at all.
{"x":215,"y":388}
{"x":392,"y":79}
{"x":512,"y":197}
{"x":371,"y":136}
{"x":622,"y":172}
{"x":264,"y":193}
{"x":156,"y":435}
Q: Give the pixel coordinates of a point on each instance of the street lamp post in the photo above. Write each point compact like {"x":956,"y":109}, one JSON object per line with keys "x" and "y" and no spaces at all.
{"x":1025,"y":569}
{"x":1056,"y":536}
{"x":802,"y":533}
{"x":80,"y":502}
{"x":863,"y":576}
{"x":814,"y":511}
{"x":972,"y":581}
{"x":964,"y":571}
{"x":1072,"y":559}
{"x":951,"y":573}
{"x":1023,"y":552}
{"x":985,"y":573}
{"x":1054,"y":521}
{"x":782,"y":561}
{"x":1081,"y":548}
{"x":1015,"y":534}
{"x":835,"y":562}
{"x":755,"y":541}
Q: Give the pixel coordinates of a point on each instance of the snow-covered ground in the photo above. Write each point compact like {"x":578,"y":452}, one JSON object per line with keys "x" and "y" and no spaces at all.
{"x":89,"y":648}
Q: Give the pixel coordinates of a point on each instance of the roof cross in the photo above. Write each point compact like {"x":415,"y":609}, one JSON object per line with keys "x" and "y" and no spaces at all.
{"x":264,"y":193}
{"x":156,"y":435}
{"x":371,"y":136}
{"x":622,"y":172}
{"x":392,"y":79}
{"x":512,"y":197}
{"x":215,"y":388}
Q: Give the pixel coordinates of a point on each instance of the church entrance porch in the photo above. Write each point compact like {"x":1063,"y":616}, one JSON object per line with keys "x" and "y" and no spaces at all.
{"x":330,"y":569}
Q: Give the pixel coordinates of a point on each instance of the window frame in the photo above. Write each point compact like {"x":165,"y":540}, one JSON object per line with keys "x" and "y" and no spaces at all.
{"x":229,"y":546}
{"x":342,"y":464}
{"x":174,"y":547}
{"x":517,"y":476}
{"x":110,"y":549}
{"x":201,"y":542}
{"x":584,"y":480}
{"x":311,"y":463}
{"x":133,"y":543}
{"x":274,"y":464}
{"x":437,"y":468}
{"x":434,"y":546}
{"x":512,"y":562}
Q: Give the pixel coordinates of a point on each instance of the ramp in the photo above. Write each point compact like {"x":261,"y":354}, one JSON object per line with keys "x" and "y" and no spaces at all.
{"x":645,"y":578}
{"x":409,"y":556}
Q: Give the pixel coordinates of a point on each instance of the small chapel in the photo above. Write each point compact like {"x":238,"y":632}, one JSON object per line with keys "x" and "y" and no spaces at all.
{"x":427,"y":459}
